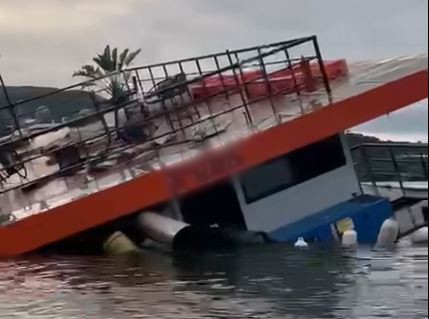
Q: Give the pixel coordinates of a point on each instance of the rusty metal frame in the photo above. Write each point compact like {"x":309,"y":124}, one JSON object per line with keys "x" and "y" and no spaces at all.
{"x":237,"y":69}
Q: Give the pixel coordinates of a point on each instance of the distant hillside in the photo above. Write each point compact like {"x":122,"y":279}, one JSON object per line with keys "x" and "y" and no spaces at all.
{"x":354,"y":139}
{"x":60,"y":105}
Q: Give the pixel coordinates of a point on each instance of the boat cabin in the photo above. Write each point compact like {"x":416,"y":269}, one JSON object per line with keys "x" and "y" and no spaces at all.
{"x":313,"y":192}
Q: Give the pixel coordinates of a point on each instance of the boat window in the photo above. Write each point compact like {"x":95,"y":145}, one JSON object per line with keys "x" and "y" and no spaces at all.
{"x":267,"y":179}
{"x":293,"y":169}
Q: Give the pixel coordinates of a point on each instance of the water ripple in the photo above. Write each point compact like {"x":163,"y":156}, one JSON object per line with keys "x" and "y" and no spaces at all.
{"x":277,"y":282}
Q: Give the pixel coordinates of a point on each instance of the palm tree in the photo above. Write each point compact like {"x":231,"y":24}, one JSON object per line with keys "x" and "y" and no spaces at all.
{"x":110,"y":66}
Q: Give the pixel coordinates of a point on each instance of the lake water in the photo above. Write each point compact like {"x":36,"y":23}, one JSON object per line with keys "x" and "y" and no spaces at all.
{"x":273,"y":282}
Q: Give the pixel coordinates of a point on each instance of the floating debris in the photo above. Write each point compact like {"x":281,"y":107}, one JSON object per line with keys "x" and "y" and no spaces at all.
{"x":301,"y":243}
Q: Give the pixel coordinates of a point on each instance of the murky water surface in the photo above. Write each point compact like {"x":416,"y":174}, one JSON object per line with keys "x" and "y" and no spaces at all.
{"x":274,"y":282}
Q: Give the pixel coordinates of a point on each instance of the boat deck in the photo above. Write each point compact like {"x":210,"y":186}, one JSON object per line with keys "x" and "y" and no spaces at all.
{"x":393,"y":170}
{"x":222,"y":141}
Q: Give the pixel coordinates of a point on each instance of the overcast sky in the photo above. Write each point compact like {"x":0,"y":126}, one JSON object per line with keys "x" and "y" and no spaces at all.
{"x":43,"y":41}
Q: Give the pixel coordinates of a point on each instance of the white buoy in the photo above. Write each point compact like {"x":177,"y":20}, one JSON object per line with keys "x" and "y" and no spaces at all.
{"x":350,"y":238}
{"x":420,"y":236}
{"x":388,"y":234}
{"x":301,"y":243}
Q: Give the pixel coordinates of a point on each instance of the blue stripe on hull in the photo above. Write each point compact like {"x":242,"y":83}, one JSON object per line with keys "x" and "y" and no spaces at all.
{"x":367,"y":212}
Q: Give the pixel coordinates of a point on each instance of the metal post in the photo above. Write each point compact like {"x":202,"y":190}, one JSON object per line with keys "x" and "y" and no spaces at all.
{"x":164,"y":68}
{"x":295,"y":81}
{"x":322,"y":67}
{"x":190,"y":96}
{"x":139,"y":81}
{"x":290,"y":67}
{"x":246,"y":89}
{"x":243,"y":98}
{"x":160,"y":99}
{"x":356,"y":168}
{"x":11,"y":107}
{"x":174,"y":113}
{"x":222,"y":80}
{"x":366,"y":161}
{"x":152,"y":77}
{"x":209,"y":106}
{"x":424,"y":165}
{"x":182,"y":70}
{"x":268,"y":84}
{"x":397,"y":170}
{"x":183,"y":107}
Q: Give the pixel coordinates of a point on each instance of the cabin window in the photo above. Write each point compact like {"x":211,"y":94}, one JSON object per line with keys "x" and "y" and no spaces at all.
{"x":293,"y":169}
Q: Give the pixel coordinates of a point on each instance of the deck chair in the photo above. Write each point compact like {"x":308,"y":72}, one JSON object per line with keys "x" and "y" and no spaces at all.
{"x":136,"y":126}
{"x":10,"y":160}
{"x":171,"y":90}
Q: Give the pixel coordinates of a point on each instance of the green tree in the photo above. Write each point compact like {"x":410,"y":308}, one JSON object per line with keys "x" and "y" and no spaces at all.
{"x":110,"y":66}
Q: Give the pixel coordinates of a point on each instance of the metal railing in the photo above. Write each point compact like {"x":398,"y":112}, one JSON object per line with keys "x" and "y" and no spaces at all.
{"x":230,"y":68}
{"x":402,"y":163}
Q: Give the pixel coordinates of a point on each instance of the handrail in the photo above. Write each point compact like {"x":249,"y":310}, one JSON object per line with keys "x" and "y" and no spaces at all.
{"x":281,"y":46}
{"x":391,"y":144}
{"x":402,"y":169}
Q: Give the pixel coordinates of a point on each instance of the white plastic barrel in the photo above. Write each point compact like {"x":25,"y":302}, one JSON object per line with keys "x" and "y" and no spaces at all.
{"x":350,"y":238}
{"x":119,"y":244}
{"x":388,"y":234}
{"x":159,"y":228}
{"x":420,"y":236}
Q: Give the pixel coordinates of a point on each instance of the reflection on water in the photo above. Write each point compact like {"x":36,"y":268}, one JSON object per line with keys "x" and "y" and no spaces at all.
{"x":276,"y":282}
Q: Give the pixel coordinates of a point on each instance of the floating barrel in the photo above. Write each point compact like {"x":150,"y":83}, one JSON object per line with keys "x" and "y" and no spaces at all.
{"x":182,"y":236}
{"x":119,"y":244}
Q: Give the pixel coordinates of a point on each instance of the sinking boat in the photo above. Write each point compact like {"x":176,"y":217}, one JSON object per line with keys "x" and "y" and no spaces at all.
{"x":220,"y":146}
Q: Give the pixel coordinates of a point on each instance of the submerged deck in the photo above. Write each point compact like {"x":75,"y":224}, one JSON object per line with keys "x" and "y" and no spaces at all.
{"x":239,"y":130}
